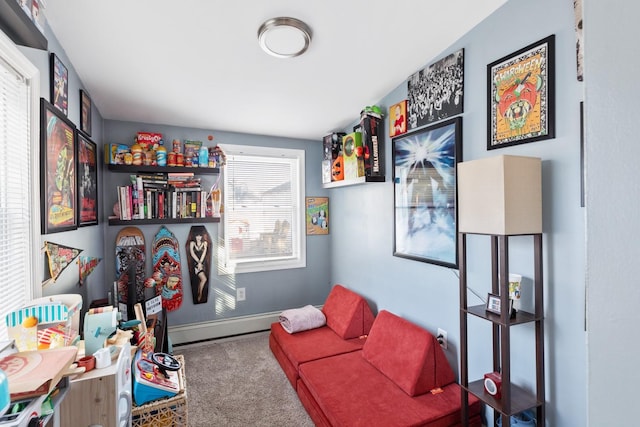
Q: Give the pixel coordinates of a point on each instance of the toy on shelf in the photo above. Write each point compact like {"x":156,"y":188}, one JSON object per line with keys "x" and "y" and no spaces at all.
{"x":155,"y":376}
{"x":99,"y":324}
{"x":45,"y":323}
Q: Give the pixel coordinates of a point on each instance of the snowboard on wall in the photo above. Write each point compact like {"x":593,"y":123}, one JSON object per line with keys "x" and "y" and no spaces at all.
{"x":167,"y":271}
{"x":130,"y":270}
{"x":198,"y":249}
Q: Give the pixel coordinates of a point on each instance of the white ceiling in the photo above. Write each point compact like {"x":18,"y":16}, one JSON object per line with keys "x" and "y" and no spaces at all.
{"x":197,"y":63}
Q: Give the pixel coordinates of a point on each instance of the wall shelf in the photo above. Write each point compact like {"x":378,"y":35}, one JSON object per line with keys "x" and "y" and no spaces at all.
{"x":356,"y":181}
{"x":135,"y":169}
{"x":209,"y":219}
{"x":19,"y":26}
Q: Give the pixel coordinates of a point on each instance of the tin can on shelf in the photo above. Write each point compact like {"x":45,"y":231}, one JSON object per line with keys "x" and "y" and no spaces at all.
{"x":171,"y":159}
{"x":177,"y":146}
{"x":136,"y":152}
{"x":161,"y":156}
{"x":203,"y":157}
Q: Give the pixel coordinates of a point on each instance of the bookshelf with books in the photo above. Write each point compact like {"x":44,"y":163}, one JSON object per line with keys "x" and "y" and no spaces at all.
{"x":163,"y":195}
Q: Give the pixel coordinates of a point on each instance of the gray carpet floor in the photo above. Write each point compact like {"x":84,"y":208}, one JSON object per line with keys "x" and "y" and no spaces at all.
{"x":238,"y":382}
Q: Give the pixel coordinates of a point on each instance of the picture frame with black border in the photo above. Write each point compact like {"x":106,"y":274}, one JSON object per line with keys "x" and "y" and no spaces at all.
{"x":58,"y":141}
{"x":85,"y":112}
{"x":59,"y":84}
{"x":521,"y":96}
{"x":425,"y":199}
{"x":87,"y":167}
{"x":493,"y":303}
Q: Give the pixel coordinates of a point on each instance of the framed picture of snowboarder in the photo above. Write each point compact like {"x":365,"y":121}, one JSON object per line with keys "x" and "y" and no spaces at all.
{"x":520,"y":95}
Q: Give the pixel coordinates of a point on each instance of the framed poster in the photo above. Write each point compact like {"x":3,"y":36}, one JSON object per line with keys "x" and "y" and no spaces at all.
{"x":57,"y":170}
{"x":398,"y":119}
{"x":59,"y":84}
{"x":436,"y":92}
{"x":520,"y":95}
{"x":317,"y":215}
{"x":87,"y":181}
{"x":425,"y":199}
{"x":85,"y":112}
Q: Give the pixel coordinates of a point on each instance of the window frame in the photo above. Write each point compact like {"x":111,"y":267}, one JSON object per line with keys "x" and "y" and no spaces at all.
{"x":299,"y":260}
{"x":10,"y":53}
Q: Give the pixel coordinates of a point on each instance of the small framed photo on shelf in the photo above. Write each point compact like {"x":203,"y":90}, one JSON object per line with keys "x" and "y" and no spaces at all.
{"x":493,"y":303}
{"x":85,"y":112}
{"x":59,"y":84}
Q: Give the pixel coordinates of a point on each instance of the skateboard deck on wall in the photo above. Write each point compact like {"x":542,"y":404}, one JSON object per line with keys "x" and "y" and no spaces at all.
{"x":166,"y":268}
{"x":130,"y":270}
{"x":198,"y":250}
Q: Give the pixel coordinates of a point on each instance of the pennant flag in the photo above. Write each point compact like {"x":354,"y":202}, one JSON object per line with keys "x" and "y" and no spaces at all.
{"x":86,"y":265}
{"x":59,"y":257}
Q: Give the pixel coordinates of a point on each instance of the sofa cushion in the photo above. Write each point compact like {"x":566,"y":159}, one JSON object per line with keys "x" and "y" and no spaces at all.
{"x":346,"y":390}
{"x":348,"y":314}
{"x":407,"y":354}
{"x":307,"y":345}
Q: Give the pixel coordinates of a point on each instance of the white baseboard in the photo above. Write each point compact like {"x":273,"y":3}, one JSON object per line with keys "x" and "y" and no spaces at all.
{"x":221,"y":328}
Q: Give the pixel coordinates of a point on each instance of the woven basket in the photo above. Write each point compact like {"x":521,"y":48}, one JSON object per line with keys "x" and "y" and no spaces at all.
{"x":167,"y":412}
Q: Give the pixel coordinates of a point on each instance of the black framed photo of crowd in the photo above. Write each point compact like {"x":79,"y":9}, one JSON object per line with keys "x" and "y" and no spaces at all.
{"x":436,"y":93}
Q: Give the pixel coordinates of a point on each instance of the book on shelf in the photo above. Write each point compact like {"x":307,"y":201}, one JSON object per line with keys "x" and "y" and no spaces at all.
{"x":138,"y":201}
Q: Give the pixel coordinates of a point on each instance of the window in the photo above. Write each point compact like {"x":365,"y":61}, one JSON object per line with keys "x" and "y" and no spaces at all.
{"x":263,"y":209}
{"x":19,"y":91}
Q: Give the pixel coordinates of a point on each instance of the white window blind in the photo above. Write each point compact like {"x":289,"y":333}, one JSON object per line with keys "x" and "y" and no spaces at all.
{"x":263,"y":209}
{"x":15,"y":188}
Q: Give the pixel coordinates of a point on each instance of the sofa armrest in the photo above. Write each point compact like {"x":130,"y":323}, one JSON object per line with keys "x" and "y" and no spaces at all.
{"x":348,"y":313}
{"x":407,"y":354}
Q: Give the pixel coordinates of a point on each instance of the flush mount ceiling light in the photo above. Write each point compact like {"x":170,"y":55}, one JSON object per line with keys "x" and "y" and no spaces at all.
{"x":284,"y":37}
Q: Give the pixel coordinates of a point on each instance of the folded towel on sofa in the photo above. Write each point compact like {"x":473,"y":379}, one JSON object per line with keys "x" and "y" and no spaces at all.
{"x":302,"y":319}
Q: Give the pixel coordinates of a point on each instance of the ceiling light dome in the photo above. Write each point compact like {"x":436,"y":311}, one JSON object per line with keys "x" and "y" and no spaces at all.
{"x":284,"y":37}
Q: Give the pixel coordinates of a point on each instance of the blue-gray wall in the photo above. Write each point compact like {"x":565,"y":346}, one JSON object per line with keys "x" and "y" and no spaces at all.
{"x":613,"y":203}
{"x":265,"y":292}
{"x":89,"y":239}
{"x":428,"y":294}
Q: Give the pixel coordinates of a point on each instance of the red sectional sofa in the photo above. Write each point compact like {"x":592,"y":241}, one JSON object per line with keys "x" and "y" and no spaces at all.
{"x":397,"y":376}
{"x":349,"y":319}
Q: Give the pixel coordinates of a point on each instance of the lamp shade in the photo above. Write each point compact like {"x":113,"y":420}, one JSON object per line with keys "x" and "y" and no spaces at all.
{"x":500,"y":195}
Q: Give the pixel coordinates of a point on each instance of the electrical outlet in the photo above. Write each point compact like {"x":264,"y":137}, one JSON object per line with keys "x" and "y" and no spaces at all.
{"x":442,"y":338}
{"x":241,"y":294}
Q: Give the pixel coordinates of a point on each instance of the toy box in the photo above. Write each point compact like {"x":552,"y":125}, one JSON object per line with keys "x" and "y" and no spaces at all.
{"x":332,"y":157}
{"x":167,"y":412}
{"x":373,"y":142}
{"x":353,"y":154}
{"x":114,"y":153}
{"x":149,"y":140}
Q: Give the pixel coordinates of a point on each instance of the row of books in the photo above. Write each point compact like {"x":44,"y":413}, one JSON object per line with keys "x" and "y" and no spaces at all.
{"x":161,"y":196}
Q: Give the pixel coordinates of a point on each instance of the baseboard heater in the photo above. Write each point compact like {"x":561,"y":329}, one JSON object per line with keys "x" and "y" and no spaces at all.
{"x":214,"y":329}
